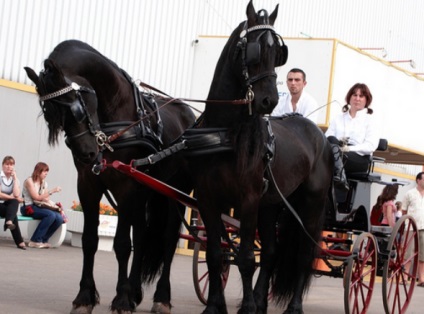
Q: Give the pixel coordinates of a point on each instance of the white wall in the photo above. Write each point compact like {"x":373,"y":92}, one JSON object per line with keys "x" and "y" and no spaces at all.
{"x":24,"y":136}
{"x":152,"y":39}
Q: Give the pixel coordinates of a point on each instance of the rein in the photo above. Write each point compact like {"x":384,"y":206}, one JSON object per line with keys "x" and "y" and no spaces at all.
{"x":244,"y":101}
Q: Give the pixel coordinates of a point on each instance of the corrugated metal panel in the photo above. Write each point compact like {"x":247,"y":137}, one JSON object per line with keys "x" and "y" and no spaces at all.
{"x":152,"y":39}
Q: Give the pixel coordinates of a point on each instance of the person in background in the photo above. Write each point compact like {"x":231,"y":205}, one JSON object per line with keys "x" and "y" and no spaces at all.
{"x":413,"y":204}
{"x":297,"y":100}
{"x":399,"y":211}
{"x":353,"y":133}
{"x":36,"y":191}
{"x":10,"y":197}
{"x":386,"y":201}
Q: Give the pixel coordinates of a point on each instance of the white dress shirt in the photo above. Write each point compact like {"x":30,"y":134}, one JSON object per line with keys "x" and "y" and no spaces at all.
{"x":361,"y":132}
{"x":306,"y":106}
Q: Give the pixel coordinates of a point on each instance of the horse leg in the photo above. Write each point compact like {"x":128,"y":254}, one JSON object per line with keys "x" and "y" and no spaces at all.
{"x":138,"y":236}
{"x":246,"y":256}
{"x":212,"y":220}
{"x":88,"y":296}
{"x":123,"y":302}
{"x":162,"y":297}
{"x":267,"y":233}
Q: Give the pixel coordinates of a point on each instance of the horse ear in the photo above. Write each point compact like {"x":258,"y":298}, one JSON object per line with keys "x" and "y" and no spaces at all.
{"x":49,"y":65}
{"x":273,"y":15}
{"x":250,"y":12}
{"x":32,"y":75}
{"x":53,"y":70}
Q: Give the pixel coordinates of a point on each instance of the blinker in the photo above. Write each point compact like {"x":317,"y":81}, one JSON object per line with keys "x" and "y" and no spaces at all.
{"x":253,"y":53}
{"x":77,"y":111}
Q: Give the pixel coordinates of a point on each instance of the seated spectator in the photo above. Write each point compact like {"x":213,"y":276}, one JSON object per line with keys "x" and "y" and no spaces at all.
{"x":10,"y":197}
{"x":37,"y":204}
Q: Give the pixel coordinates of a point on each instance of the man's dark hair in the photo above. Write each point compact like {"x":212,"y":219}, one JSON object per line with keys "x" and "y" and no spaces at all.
{"x":297,"y":70}
{"x":419,"y":176}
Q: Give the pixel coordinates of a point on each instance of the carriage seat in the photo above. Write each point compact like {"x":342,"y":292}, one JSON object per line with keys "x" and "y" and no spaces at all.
{"x":369,"y":176}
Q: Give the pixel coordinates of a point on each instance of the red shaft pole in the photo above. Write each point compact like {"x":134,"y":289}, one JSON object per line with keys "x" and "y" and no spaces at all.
{"x":156,"y":185}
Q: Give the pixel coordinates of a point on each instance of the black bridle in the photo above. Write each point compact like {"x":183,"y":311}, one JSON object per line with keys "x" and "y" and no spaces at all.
{"x":79,"y":111}
{"x":251,"y":55}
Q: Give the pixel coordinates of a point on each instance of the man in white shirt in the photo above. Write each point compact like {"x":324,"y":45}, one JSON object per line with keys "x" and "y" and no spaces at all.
{"x":297,"y":100}
{"x":413,"y":203}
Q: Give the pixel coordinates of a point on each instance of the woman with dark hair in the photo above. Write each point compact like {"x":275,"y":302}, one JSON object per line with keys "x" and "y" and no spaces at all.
{"x":386,"y":202}
{"x":353,"y":132}
{"x":35,"y":191}
{"x":10,"y":197}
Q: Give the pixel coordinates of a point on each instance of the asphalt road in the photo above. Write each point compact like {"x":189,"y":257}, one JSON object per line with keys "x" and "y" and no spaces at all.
{"x":46,"y":281}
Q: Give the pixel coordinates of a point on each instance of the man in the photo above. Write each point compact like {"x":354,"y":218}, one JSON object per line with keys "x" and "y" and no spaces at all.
{"x":413,"y":203}
{"x":297,"y":100}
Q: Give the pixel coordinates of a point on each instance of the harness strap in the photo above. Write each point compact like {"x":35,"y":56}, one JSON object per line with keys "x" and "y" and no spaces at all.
{"x":154,"y":158}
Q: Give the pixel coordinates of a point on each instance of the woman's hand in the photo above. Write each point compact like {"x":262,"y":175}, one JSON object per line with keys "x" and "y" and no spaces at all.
{"x":55,"y":190}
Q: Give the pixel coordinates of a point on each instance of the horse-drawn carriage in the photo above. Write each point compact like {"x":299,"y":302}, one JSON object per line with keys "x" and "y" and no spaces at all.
{"x":232,"y":157}
{"x":352,"y":247}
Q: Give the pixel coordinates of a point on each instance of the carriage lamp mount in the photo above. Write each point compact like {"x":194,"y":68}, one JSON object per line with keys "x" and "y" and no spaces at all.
{"x":410,"y":61}
{"x":382,"y":49}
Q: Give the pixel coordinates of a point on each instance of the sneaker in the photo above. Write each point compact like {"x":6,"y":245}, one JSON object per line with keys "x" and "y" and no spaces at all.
{"x":47,"y":245}
{"x":37,"y":245}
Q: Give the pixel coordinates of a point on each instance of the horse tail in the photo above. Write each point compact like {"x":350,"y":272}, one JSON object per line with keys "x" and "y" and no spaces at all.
{"x":295,"y":254}
{"x":162,"y":235}
{"x":155,"y":238}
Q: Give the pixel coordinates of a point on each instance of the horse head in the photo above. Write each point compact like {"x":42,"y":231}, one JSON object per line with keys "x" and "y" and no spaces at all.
{"x":251,"y":54}
{"x":70,"y":107}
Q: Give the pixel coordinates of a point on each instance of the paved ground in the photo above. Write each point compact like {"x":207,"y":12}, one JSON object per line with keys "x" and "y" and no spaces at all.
{"x":46,"y":281}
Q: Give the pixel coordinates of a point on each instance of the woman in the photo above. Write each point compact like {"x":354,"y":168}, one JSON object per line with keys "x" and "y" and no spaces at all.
{"x":353,"y":132}
{"x":35,"y":191}
{"x":386,"y":202}
{"x":10,"y":197}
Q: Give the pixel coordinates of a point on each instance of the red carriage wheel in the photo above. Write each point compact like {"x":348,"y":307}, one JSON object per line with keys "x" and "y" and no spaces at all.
{"x":201,"y":273}
{"x":360,"y":274}
{"x":400,"y":269}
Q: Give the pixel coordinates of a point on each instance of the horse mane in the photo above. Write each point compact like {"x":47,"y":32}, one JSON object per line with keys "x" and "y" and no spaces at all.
{"x":246,"y":131}
{"x":52,"y":113}
{"x":79,"y":61}
{"x":248,"y":139}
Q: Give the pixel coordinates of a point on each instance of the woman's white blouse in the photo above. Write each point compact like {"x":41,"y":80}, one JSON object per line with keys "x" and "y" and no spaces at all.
{"x":361,"y":131}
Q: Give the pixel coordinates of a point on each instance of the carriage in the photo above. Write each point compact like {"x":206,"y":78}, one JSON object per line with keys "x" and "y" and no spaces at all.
{"x":353,"y":246}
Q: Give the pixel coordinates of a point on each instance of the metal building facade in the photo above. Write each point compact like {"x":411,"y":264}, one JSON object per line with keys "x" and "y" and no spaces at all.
{"x":153,"y":39}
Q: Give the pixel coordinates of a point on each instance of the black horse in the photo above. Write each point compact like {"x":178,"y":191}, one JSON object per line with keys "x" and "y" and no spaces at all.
{"x":105,"y":117}
{"x":240,"y":172}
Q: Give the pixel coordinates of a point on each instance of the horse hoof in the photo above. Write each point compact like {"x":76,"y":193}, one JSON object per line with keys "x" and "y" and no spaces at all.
{"x":121,"y":312}
{"x":82,"y":309}
{"x":160,"y":308}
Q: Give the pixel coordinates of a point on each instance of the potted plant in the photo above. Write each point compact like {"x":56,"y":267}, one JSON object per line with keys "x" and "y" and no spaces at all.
{"x":108,"y":221}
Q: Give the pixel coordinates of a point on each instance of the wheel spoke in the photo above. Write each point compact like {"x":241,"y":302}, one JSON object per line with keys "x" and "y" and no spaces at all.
{"x":400,"y":270}
{"x":360,"y":274}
